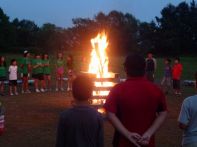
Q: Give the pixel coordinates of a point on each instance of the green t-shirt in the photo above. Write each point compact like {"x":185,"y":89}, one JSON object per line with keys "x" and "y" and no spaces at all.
{"x":2,"y":71}
{"x":39,"y":69}
{"x":25,"y":62}
{"x":46,"y":69}
{"x":60,"y":63}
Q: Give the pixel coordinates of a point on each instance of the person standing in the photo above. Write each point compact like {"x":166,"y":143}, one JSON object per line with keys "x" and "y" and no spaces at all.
{"x":60,"y":64}
{"x":176,"y":76}
{"x":136,"y":108}
{"x":81,"y":125}
{"x":26,"y":69}
{"x":151,"y":66}
{"x":166,"y":81}
{"x":70,"y":73}
{"x":37,"y":73}
{"x":47,"y":72}
{"x":188,"y":121}
{"x":13,"y":72}
{"x":3,"y":76}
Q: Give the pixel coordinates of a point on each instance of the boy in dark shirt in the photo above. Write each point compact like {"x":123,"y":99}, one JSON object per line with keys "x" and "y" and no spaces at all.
{"x":81,"y":125}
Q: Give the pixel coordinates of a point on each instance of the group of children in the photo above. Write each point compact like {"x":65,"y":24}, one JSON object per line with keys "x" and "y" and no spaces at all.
{"x":172,"y":73}
{"x":40,"y":68}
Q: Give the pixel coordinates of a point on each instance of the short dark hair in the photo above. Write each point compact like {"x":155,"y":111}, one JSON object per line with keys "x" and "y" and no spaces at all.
{"x":178,"y":59}
{"x":82,"y":87}
{"x":12,"y":61}
{"x":135,"y":65}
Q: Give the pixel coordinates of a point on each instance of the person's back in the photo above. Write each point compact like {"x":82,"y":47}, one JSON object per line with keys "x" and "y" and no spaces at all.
{"x":138,"y":102}
{"x":188,"y":117}
{"x":81,"y":125}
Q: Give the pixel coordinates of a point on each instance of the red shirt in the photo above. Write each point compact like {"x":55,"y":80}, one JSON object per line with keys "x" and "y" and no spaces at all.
{"x":177,"y":71}
{"x":136,"y":103}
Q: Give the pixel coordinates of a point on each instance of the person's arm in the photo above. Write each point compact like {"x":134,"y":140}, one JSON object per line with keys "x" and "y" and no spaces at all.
{"x":100,"y":141}
{"x":153,"y":128}
{"x":184,"y":116}
{"x":132,"y":137}
{"x":60,"y":139}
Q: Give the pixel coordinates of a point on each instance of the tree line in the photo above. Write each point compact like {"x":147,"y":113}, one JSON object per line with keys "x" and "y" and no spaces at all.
{"x":173,"y":33}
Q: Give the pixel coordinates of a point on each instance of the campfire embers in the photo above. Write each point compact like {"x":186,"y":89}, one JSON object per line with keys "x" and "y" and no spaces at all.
{"x":98,"y":69}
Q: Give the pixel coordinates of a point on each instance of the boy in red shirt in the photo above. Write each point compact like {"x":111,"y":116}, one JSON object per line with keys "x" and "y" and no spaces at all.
{"x":176,"y":76}
{"x":136,"y":108}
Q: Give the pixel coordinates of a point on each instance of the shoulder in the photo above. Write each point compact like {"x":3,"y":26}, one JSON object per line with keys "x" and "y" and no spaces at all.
{"x":190,"y":99}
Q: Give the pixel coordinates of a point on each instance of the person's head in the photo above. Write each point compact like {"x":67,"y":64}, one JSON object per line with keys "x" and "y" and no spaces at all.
{"x":134,"y":65}
{"x":167,"y":61}
{"x":70,"y":57}
{"x":45,"y":56}
{"x":37,"y":56}
{"x":2,"y":60}
{"x":150,"y":55}
{"x":60,"y":56}
{"x":13,"y":62}
{"x":26,"y":54}
{"x":82,"y":88}
{"x":177,"y":60}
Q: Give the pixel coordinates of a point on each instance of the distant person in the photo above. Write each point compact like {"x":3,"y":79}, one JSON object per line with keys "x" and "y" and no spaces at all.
{"x":13,"y":76}
{"x":37,"y":73}
{"x":176,"y":76}
{"x":3,"y":74}
{"x":151,"y":65}
{"x":47,"y":72}
{"x":188,"y":121}
{"x":136,"y":108}
{"x":70,"y":73}
{"x":60,"y":64}
{"x":167,"y":79}
{"x":26,"y":69}
{"x":81,"y":125}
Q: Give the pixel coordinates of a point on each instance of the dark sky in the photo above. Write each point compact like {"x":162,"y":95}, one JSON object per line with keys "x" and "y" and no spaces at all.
{"x":61,"y":12}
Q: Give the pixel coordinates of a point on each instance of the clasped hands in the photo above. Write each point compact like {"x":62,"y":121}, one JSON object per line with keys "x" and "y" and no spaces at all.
{"x":139,"y":140}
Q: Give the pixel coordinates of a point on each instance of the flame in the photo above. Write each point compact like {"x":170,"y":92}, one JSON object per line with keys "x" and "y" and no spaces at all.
{"x":99,"y":63}
{"x":99,"y":59}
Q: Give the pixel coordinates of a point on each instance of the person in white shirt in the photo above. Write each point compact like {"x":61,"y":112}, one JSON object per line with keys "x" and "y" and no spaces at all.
{"x":13,"y":71}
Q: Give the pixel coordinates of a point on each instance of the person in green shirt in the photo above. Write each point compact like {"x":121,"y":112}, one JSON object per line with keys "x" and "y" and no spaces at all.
{"x":37,"y":73}
{"x":25,"y":71}
{"x":2,"y":74}
{"x":47,"y":72}
{"x":60,"y":64}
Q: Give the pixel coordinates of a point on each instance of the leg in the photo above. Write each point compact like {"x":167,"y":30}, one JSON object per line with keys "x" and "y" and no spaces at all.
{"x":49,"y":81}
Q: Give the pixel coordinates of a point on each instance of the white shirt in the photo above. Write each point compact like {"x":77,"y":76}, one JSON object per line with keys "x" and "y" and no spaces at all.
{"x":13,"y":72}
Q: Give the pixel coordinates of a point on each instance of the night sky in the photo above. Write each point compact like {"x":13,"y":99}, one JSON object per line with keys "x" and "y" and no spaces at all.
{"x":61,"y":12}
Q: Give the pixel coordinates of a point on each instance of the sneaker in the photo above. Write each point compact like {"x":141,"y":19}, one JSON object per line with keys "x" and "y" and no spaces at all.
{"x":42,"y":90}
{"x":28,"y":91}
{"x":68,"y":89}
{"x":56,"y":89}
{"x":62,"y":89}
{"x":16,"y":93}
{"x":37,"y":90}
{"x":11,"y":94}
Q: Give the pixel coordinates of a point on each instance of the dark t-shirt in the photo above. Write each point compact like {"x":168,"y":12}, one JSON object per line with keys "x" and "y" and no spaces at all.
{"x":80,"y":126}
{"x":136,"y":103}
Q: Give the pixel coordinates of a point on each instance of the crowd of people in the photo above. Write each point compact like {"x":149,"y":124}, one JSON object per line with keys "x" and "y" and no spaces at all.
{"x":39,"y":68}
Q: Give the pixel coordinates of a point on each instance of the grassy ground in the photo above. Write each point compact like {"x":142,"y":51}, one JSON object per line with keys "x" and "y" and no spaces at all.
{"x":31,"y":120}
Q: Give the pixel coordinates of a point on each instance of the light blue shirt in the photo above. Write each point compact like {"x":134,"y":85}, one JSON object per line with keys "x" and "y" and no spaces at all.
{"x":188,"y":116}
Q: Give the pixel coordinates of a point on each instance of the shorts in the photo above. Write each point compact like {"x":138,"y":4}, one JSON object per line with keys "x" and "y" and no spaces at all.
{"x":150,"y":75}
{"x":176,"y":84}
{"x":3,"y":78}
{"x":12,"y":82}
{"x":70,"y":73}
{"x":38,"y":76}
{"x":60,"y":71}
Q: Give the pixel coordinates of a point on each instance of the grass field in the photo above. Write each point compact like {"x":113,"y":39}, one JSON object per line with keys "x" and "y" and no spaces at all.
{"x":31,"y":119}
